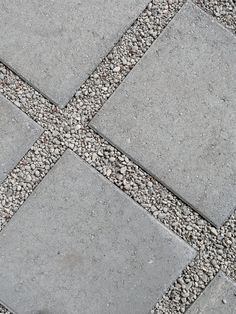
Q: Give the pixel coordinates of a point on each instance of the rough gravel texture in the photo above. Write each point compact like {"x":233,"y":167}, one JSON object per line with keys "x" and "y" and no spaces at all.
{"x":69,"y":128}
{"x":223,"y":10}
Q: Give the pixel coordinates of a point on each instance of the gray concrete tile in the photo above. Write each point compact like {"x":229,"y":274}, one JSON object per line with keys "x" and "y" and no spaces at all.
{"x":175,"y":113}
{"x":80,"y":245}
{"x":218,"y":298}
{"x":55,"y":45}
{"x":17,"y":134}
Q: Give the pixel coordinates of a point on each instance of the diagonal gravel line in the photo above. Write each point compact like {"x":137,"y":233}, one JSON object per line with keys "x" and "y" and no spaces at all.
{"x":217,"y":243}
{"x":223,"y":10}
{"x":102,"y":83}
{"x":27,"y":174}
{"x":144,"y":189}
{"x":193,"y":280}
{"x":216,"y":247}
{"x":121,"y":59}
{"x":220,"y":255}
{"x":231,"y":269}
{"x":27,"y":99}
{"x":112,"y":70}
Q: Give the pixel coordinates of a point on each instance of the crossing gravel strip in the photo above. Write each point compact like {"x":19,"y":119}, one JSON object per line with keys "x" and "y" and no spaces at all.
{"x":219,"y":244}
{"x":68,"y":128}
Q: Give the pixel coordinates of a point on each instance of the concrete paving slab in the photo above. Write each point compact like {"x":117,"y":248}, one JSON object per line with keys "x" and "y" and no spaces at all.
{"x":80,"y":245}
{"x":17,"y":134}
{"x":218,"y":298}
{"x":55,"y":45}
{"x":175,"y":113}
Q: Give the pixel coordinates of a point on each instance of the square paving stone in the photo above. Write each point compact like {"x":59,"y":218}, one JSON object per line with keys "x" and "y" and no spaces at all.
{"x":17,"y":134}
{"x":55,"y":45}
{"x":175,"y":113}
{"x":218,"y":298}
{"x":80,"y":245}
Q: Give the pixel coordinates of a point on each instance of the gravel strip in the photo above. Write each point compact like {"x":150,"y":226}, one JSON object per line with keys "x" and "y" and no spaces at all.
{"x":219,"y":245}
{"x":144,"y":189}
{"x":188,"y":286}
{"x":20,"y":183}
{"x":68,"y":128}
{"x":223,"y":10}
{"x":27,"y":99}
{"x":3,"y":310}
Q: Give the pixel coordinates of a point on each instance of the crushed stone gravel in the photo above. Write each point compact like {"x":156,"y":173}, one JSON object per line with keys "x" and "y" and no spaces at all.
{"x":68,"y":128}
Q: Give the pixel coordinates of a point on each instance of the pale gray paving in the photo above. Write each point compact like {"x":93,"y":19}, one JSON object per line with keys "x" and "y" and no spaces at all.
{"x":17,"y":134}
{"x":80,"y":245}
{"x":55,"y":45}
{"x":218,"y":298}
{"x":175,"y":113}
